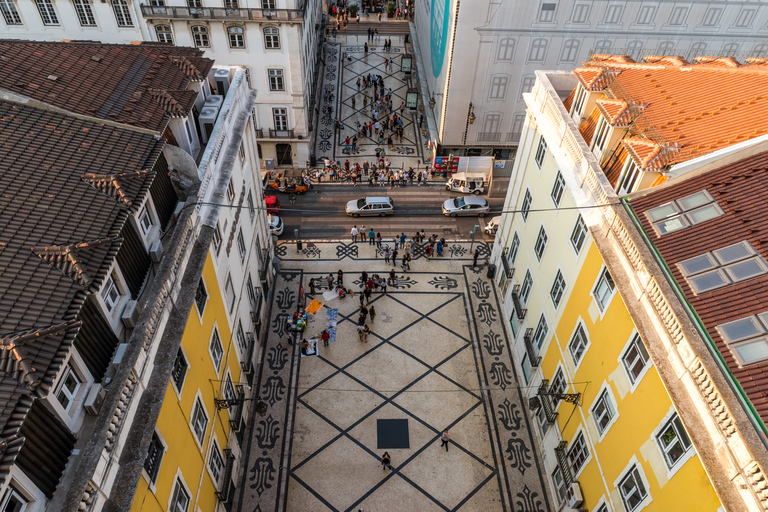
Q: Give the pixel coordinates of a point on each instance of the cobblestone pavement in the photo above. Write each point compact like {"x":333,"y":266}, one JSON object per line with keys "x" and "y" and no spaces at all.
{"x":438,"y":357}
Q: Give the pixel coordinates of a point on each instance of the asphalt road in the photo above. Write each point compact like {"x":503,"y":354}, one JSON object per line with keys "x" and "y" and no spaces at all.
{"x":320,"y":213}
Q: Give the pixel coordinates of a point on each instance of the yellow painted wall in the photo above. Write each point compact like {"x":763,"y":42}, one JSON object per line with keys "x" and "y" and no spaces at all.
{"x":640,"y":412}
{"x":183,"y":452}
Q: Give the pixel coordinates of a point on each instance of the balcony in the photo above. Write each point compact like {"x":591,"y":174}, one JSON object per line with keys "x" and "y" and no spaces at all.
{"x":247,"y":364}
{"x":489,"y":136}
{"x":562,"y":462}
{"x":237,"y":417}
{"x":221,"y":13}
{"x":519,"y":310}
{"x":226,"y":495}
{"x":282,"y":134}
{"x":546,"y":403}
{"x":529,"y":348}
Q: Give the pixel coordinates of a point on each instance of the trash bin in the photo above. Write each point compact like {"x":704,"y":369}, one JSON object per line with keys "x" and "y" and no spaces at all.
{"x":491,"y":271}
{"x":299,"y":245}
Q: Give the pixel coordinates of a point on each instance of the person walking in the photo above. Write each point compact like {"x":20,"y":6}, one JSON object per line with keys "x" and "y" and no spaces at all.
{"x":360,"y":329}
{"x":312,"y":286}
{"x":340,"y":278}
{"x":371,"y":236}
{"x":372,"y":312}
{"x":392,"y":277}
{"x":363,"y":313}
{"x":387,"y":254}
{"x":386,"y":462}
{"x":367,"y":293}
{"x":325,"y":335}
{"x":329,"y":280}
{"x":475,"y":256}
{"x":394,"y":258}
{"x":355,"y":232}
{"x":378,"y":240}
{"x":366,"y":332}
{"x":444,"y":438}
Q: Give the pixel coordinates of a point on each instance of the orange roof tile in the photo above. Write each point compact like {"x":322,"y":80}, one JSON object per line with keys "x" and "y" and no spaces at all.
{"x":587,"y":128}
{"x":615,"y":111}
{"x":647,"y":154}
{"x":594,"y":78}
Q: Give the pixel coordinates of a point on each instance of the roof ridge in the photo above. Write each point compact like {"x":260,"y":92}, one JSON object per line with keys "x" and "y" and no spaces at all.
{"x":64,"y":259}
{"x":189,"y":69}
{"x":109,"y":185}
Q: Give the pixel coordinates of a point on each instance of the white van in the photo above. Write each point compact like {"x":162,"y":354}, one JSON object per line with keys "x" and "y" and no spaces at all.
{"x":466,"y":183}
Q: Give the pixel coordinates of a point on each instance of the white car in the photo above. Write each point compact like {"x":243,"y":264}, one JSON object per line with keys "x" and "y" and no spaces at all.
{"x":468,"y":205}
{"x":493,"y":226}
{"x":275,"y":225}
{"x":374,"y":205}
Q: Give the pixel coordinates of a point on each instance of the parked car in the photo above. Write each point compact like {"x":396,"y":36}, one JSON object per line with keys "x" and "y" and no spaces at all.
{"x":377,"y":205}
{"x":273,"y":204}
{"x":493,"y":226}
{"x":467,"y":205}
{"x":275,"y":225}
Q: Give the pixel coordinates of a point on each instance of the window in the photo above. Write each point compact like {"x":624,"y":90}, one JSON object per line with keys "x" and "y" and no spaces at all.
{"x":646,"y":15}
{"x":280,"y":117}
{"x":216,"y":239}
{"x":276,"y":80}
{"x":181,"y":498}
{"x":201,"y":297}
{"x":200,"y":36}
{"x":517,"y":125}
{"x":10,"y":13}
{"x":580,"y":13}
{"x":216,"y":349}
{"x":499,"y":87}
{"x":630,"y":178}
{"x":241,"y":245}
{"x":145,"y":221}
{"x":84,"y":13}
{"x":557,"y":386}
{"x":236,"y":37}
{"x":154,"y":457}
{"x":526,"y":287}
{"x":69,"y":385}
{"x":570,"y":50}
{"x":231,"y":4}
{"x":559,"y":481}
{"x":491,"y":126}
{"x":678,"y":16}
{"x":602,"y":508}
{"x":681,"y":213}
{"x":632,"y":489}
{"x":271,"y":37}
{"x":746,"y":338}
{"x":251,"y":205}
{"x":603,"y":46}
{"x":604,"y":290}
{"x":527,"y":369}
{"x":541,"y":243}
{"x":547,"y":13}
{"x":111,"y":293}
{"x":164,"y":34}
{"x":613,"y":14}
{"x":241,"y":153}
{"x":673,"y":441}
{"x":506,"y":49}
{"x":526,"y":85}
{"x":122,"y":13}
{"x":666,"y":46}
{"x":231,"y":191}
{"x":712,"y":17}
{"x":179,"y":371}
{"x":195,"y":3}
{"x":229,"y":390}
{"x":47,"y":13}
{"x":557,"y":189}
{"x":251,"y":293}
{"x":242,"y":344}
{"x":267,"y":4}
{"x":578,"y":344}
{"x":199,"y":420}
{"x":541,"y":419}
{"x":229,"y":291}
{"x":579,"y":234}
{"x":513,"y":249}
{"x":602,"y":411}
{"x":601,"y":137}
{"x":635,"y":358}
{"x":731,"y":48}
{"x":14,"y":501}
{"x":540,"y":334}
{"x":538,"y":50}
{"x":558,"y":289}
{"x":722,"y":267}
{"x":580,"y":100}
{"x":745,"y":17}
{"x":216,"y":463}
{"x":698,"y":48}
{"x":578,"y":453}
{"x":541,"y":150}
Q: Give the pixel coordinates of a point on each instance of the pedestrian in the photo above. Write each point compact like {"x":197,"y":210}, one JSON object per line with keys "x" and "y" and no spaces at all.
{"x":386,"y":461}
{"x":379,"y":20}
{"x":372,"y":312}
{"x":445,"y":437}
{"x":340,"y":278}
{"x":378,"y":240}
{"x":363,"y":313}
{"x":360,"y":329}
{"x":366,"y":332}
{"x":394,"y":257}
{"x":371,"y":236}
{"x":387,"y":254}
{"x":474,"y":258}
{"x":429,"y":252}
{"x":367,"y":293}
{"x":329,"y":280}
{"x":440,"y":247}
{"x":392,"y":277}
{"x":355,"y":232}
{"x":325,"y":337}
{"x":312,"y":286}
{"x":402,"y":239}
{"x":404,"y":263}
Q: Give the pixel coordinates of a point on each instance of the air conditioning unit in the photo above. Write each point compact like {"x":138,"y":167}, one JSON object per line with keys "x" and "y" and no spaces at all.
{"x":573,"y":495}
{"x":156,"y":251}
{"x":207,"y":121}
{"x":130,"y":314}
{"x":214,"y":101}
{"x":94,"y":400}
{"x":269,"y":163}
{"x":221,"y":79}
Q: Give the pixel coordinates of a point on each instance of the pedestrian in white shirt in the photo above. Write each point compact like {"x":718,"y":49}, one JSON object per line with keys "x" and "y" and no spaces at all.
{"x":355,"y":232}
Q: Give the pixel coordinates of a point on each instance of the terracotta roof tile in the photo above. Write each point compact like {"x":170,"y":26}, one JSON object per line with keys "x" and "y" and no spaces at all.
{"x":617,"y":112}
{"x":587,"y":128}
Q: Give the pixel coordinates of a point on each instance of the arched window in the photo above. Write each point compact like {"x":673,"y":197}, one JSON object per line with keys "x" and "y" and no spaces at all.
{"x":570,"y":50}
{"x":200,"y":36}
{"x":122,"y":13}
{"x":760,"y":50}
{"x":730,"y":48}
{"x":164,"y":34}
{"x":236,"y":37}
{"x":271,"y":37}
{"x":699,"y":47}
{"x":603,"y":45}
{"x":538,"y":50}
{"x":506,"y":49}
{"x":637,"y":43}
{"x":666,"y":47}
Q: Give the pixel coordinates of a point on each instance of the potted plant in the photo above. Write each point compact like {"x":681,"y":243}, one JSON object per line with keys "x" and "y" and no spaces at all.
{"x":391,"y":10}
{"x":352,"y":11}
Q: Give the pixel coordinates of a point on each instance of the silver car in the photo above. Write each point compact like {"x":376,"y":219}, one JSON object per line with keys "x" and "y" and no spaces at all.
{"x":375,"y":205}
{"x":467,"y":205}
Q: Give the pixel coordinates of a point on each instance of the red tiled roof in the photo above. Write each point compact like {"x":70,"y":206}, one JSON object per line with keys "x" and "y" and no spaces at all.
{"x":568,"y":101}
{"x":102,"y":81}
{"x":587,"y":128}
{"x":741,"y":190}
{"x":615,"y":111}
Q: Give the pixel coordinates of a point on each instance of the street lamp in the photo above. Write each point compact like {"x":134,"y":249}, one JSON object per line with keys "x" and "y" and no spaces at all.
{"x":471,"y":118}
{"x":432,"y":103}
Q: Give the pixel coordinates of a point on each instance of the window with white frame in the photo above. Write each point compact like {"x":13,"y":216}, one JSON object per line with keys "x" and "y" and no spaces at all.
{"x":579,"y":101}
{"x":216,"y":463}
{"x":268,"y":4}
{"x":525,"y":364}
{"x":276,"y":80}
{"x":199,"y":420}
{"x":578,"y":452}
{"x":557,"y":188}
{"x":69,"y":386}
{"x":122,"y":13}
{"x":229,"y":291}
{"x":154,"y":457}
{"x":604,"y":290}
{"x":684,"y":212}
{"x":13,"y":501}
{"x":541,"y":243}
{"x":579,"y":234}
{"x":216,"y":349}
{"x":602,"y":508}
{"x":540,"y":334}
{"x":229,"y":391}
{"x":164,"y":34}
{"x":498,"y":90}
{"x":541,"y":419}
{"x":601,"y":137}
{"x":236,"y":36}
{"x":216,"y":239}
{"x":251,"y":293}
{"x":145,"y":221}
{"x":722,"y":267}
{"x":10,"y":12}
{"x":538,"y":50}
{"x":195,"y":3}
{"x":747,"y":338}
{"x":557,"y":386}
{"x":241,"y":244}
{"x":632,"y":489}
{"x":181,"y":498}
{"x":201,"y":296}
{"x":578,"y":343}
{"x":558,"y":289}
{"x":635,"y":358}
{"x":526,"y":287}
{"x":280,"y":118}
{"x":242,"y":344}
{"x":603,"y":411}
{"x":271,"y":38}
{"x":570,"y":50}
{"x":47,"y":12}
{"x":526,"y":206}
{"x":179,"y":370}
{"x":251,"y":205}
{"x":673,"y":441}
{"x":514,"y":247}
{"x":559,"y":481}
{"x":84,"y":13}
{"x":231,"y":191}
{"x":200,"y":36}
{"x":506,"y":49}
{"x":541,"y":150}
{"x":547,"y":13}
{"x":231,"y":5}
{"x":111,"y":293}
{"x":630,"y":177}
